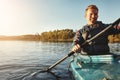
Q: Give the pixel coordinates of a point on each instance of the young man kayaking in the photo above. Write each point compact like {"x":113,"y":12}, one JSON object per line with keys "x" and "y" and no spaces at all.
{"x":93,"y":27}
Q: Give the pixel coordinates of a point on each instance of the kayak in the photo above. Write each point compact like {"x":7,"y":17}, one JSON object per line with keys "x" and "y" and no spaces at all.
{"x":95,"y":67}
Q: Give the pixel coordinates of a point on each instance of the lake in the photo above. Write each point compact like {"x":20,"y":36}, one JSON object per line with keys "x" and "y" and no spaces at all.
{"x":20,"y":59}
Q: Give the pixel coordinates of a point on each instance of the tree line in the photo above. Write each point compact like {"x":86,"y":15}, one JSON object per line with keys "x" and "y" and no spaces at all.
{"x":63,"y":35}
{"x":58,"y":35}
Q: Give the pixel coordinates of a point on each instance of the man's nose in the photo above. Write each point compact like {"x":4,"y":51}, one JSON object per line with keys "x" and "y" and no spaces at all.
{"x":94,"y":16}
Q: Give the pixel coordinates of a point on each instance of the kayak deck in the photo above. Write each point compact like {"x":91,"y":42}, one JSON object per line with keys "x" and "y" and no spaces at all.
{"x":94,"y":70}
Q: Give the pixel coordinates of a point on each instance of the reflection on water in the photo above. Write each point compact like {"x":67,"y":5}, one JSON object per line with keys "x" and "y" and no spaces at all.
{"x":19,"y":59}
{"x":115,"y":47}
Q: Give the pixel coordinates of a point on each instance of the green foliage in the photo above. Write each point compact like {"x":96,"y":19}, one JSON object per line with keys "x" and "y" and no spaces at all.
{"x":114,"y":38}
{"x":58,"y":35}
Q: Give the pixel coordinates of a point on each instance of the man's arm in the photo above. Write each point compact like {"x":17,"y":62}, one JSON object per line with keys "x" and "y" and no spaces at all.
{"x":78,"y":40}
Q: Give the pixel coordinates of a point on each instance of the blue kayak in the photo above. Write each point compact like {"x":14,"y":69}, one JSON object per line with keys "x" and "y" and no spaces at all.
{"x":95,"y":67}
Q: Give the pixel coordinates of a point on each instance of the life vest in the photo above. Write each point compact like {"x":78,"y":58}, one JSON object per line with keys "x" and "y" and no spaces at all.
{"x":98,"y":45}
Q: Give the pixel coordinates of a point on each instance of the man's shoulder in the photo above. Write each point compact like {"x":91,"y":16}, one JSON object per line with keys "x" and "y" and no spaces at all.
{"x":100,"y":22}
{"x":85,"y":28}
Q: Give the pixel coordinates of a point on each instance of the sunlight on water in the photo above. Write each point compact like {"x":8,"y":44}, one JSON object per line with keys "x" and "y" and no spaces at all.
{"x":19,"y":59}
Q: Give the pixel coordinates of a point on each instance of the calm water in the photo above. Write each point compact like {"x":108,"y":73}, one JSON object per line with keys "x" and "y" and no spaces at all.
{"x":19,"y":59}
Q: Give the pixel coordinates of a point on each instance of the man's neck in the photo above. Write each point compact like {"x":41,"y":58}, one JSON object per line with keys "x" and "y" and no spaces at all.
{"x":91,"y":23}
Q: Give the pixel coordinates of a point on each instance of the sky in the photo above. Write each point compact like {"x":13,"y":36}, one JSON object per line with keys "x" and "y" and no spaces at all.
{"x":21,"y":17}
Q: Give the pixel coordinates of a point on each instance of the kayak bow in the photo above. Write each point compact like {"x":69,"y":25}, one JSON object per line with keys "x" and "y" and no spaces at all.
{"x":95,"y":67}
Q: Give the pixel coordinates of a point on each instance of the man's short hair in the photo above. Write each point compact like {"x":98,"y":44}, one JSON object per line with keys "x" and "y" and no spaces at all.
{"x":91,"y":7}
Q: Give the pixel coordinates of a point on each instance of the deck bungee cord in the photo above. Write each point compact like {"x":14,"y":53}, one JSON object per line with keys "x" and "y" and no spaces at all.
{"x":48,"y":70}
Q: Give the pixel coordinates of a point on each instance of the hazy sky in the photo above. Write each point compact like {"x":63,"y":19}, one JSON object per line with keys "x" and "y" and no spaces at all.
{"x":18,"y":17}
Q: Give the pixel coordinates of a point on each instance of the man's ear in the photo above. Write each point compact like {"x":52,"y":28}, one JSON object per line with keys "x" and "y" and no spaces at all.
{"x":85,"y":16}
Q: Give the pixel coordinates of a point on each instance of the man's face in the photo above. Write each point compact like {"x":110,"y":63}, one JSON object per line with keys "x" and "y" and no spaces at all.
{"x":91,"y":16}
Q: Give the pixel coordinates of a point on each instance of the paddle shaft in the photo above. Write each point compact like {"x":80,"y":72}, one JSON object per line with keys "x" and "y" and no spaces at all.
{"x":59,"y":61}
{"x":87,"y":41}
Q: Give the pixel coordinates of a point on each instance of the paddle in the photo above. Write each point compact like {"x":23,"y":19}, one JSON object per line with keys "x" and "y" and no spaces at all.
{"x":48,"y":70}
{"x":87,"y":41}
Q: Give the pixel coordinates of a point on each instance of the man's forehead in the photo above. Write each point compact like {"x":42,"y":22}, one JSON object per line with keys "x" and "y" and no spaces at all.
{"x":92,"y":10}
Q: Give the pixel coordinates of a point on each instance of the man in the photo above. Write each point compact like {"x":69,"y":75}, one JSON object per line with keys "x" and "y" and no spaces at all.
{"x":93,"y":27}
